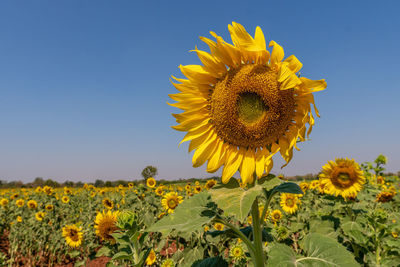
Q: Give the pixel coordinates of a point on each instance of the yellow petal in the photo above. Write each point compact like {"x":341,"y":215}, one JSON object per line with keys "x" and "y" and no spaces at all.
{"x":203,"y":153}
{"x":211,"y":64}
{"x":188,"y":125}
{"x":198,"y":141}
{"x":247,"y":167}
{"x":198,"y":74}
{"x":277,"y":54}
{"x":260,"y":39}
{"x":231,"y":166}
{"x":217,"y":158}
{"x":194,"y":133}
{"x":314,"y":85}
{"x":293,"y":63}
{"x":260,"y":161}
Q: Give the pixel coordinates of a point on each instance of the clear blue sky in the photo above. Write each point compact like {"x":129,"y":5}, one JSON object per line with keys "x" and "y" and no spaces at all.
{"x":84,"y":84}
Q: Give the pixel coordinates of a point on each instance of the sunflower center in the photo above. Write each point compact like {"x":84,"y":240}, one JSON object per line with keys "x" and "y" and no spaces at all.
{"x":172,"y":203}
{"x":289,"y":202}
{"x":73,"y":234}
{"x":248,"y":109}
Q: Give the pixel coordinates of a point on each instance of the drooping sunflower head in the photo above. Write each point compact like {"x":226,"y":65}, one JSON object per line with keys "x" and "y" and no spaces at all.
{"x":32,"y":204}
{"x":20,"y":203}
{"x":243,"y":105}
{"x":73,"y":235}
{"x":289,"y":202}
{"x":170,"y":201}
{"x":106,"y":224}
{"x":151,"y":182}
{"x":342,"y":177}
{"x":108,"y":203}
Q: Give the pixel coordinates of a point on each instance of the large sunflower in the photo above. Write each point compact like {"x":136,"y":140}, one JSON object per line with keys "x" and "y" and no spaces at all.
{"x":243,"y":105}
{"x":106,"y":224}
{"x":73,"y":235}
{"x":342,"y":177}
{"x":171,"y":201}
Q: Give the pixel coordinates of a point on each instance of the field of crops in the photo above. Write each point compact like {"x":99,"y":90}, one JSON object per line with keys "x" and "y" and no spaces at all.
{"x":202,"y":224}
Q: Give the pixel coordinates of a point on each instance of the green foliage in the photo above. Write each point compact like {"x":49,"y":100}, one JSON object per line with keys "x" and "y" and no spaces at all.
{"x":149,"y":171}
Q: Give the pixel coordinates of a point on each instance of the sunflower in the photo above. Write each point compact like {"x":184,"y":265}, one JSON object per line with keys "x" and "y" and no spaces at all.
{"x":32,"y":204}
{"x":151,"y":258}
{"x":20,"y":203}
{"x":4,"y":202}
{"x":73,"y":235}
{"x":210,"y":184}
{"x":38,"y":189}
{"x":342,"y":177}
{"x":170,"y":201}
{"x":151,"y":182}
{"x":289,"y":202}
{"x":385,"y":196}
{"x":108,"y":203}
{"x":188,"y":187}
{"x":40,"y":215}
{"x":19,"y":219}
{"x":219,"y":226}
{"x":49,"y":207}
{"x":243,"y":105}
{"x":197,"y":189}
{"x":304,"y":186}
{"x":67,"y":191}
{"x":237,"y":252}
{"x":130,"y":185}
{"x":314,"y":184}
{"x":48,"y":190}
{"x":276,"y":215}
{"x":105,"y":224}
{"x":159,"y":191}
{"x":65,"y":199}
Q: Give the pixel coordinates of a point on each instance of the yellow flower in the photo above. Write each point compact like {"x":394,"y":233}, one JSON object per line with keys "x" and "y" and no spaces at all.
{"x":67,"y":191}
{"x":20,"y":203}
{"x":108,"y":203}
{"x":38,"y":189}
{"x":210,"y":184}
{"x":19,"y":219}
{"x":65,"y":199}
{"x":106,"y":224}
{"x":289,"y":202}
{"x":206,"y":228}
{"x":380,"y":180}
{"x":197,"y":189}
{"x":395,"y":234}
{"x":48,"y":190}
{"x":32,"y":204}
{"x":219,"y":226}
{"x":304,"y":186}
{"x":151,"y":182}
{"x":4,"y":202}
{"x":151,"y":258}
{"x":40,"y":215}
{"x":159,"y":191}
{"x":170,"y":201}
{"x":385,"y":196}
{"x":14,"y":196}
{"x":314,"y":184}
{"x":168,"y":263}
{"x":49,"y":207}
{"x":188,"y":187}
{"x":130,"y":185}
{"x":243,"y":105}
{"x":237,"y":252}
{"x":276,"y":215}
{"x":342,"y":177}
{"x":73,"y":235}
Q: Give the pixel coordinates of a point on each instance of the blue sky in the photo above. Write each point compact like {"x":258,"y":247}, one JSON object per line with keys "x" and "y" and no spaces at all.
{"x":84,"y":84}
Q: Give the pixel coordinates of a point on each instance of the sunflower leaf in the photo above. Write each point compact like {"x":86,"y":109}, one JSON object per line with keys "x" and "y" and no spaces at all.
{"x":189,"y":216}
{"x":235,"y":201}
{"x":288,"y":188}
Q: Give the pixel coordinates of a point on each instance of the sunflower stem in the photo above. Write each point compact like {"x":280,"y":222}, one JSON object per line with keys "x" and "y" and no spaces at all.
{"x":259,"y":258}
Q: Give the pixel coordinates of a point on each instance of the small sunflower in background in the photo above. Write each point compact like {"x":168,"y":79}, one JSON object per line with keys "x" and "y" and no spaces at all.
{"x":4,"y":202}
{"x":65,"y":199}
{"x":237,"y":252}
{"x":170,"y":201}
{"x":20,"y":203}
{"x":151,"y":182}
{"x":32,"y":204}
{"x":40,"y":215}
{"x":243,"y":105}
{"x":49,"y":207}
{"x":314,"y":184}
{"x":276,"y":216}
{"x":108,"y":203}
{"x":289,"y":202}
{"x":73,"y":235}
{"x":342,"y":177}
{"x":106,"y":224}
{"x":197,"y":189}
{"x":385,"y":196}
{"x":159,"y":191}
{"x":19,"y":219}
{"x":304,"y":186}
{"x":151,"y":258}
{"x":210,"y":184}
{"x":168,"y":263}
{"x":219,"y":226}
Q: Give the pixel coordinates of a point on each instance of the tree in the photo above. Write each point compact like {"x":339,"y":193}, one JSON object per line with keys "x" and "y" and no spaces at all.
{"x":149,"y":171}
{"x":99,"y":183}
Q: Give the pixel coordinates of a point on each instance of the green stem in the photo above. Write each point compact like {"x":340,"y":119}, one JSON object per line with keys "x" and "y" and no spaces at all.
{"x":259,"y":258}
{"x":269,"y":198}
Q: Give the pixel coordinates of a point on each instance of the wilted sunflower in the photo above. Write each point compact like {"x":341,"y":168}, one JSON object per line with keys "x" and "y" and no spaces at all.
{"x":151,"y":258}
{"x":108,"y":203}
{"x":243,"y":105}
{"x":20,"y":203}
{"x":65,"y":199}
{"x":32,"y":204}
{"x":105,"y":224}
{"x":151,"y":182}
{"x":289,"y":202}
{"x":40,"y":215}
{"x":276,"y":215}
{"x":170,"y":201}
{"x":73,"y":235}
{"x":342,"y":177}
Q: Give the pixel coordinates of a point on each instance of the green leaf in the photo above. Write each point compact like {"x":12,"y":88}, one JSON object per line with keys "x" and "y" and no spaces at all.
{"x":321,"y":251}
{"x":211,"y":262}
{"x":354,"y":231}
{"x":235,"y":201}
{"x":323,"y":227}
{"x":187,"y":217}
{"x":74,"y":253}
{"x":122,"y":255}
{"x":104,"y":251}
{"x":288,"y":188}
